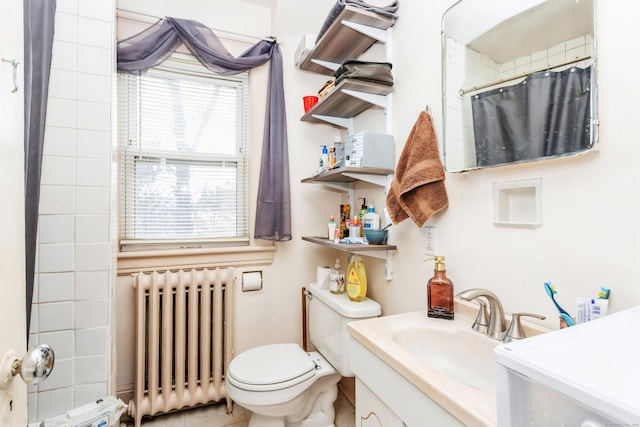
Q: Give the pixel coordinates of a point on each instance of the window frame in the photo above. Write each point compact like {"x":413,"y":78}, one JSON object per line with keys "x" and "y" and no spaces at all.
{"x":186,"y":67}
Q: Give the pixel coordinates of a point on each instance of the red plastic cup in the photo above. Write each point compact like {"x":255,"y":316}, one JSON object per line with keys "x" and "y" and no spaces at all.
{"x":309,"y":102}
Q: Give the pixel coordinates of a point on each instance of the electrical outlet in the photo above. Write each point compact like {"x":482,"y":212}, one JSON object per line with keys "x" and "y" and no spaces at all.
{"x":431,"y":237}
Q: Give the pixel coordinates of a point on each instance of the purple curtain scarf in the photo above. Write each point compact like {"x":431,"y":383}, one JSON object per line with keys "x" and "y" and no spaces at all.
{"x":152,"y":46}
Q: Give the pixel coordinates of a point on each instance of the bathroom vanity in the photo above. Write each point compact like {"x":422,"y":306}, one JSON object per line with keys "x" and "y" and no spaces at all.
{"x":419,"y":371}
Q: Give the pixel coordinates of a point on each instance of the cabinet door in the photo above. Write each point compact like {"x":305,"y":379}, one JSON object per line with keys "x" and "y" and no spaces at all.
{"x":371,"y":411}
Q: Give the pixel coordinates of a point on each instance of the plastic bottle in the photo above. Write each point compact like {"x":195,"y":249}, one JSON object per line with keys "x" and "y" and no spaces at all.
{"x":361,"y":213}
{"x":336,"y":279}
{"x":371,"y":220}
{"x":356,"y":280}
{"x":324,"y":158}
{"x":440,"y":292}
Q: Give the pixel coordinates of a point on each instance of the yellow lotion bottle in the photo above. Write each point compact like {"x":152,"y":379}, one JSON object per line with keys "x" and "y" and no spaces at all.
{"x":356,"y":280}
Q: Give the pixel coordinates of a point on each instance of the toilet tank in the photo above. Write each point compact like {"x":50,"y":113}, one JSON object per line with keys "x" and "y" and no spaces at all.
{"x":328,"y":317}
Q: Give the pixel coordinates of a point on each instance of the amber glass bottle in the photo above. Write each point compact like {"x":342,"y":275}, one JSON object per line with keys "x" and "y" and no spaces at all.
{"x":440,"y":292}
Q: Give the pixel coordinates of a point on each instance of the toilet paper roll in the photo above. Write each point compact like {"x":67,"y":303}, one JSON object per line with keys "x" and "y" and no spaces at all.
{"x":251,"y":281}
{"x":322,"y":277}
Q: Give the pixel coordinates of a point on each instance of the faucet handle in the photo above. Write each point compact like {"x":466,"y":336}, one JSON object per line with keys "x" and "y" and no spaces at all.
{"x":481,"y":324}
{"x":515,"y":331}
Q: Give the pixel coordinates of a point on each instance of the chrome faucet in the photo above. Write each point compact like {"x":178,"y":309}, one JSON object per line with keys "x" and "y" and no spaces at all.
{"x":496,"y":327}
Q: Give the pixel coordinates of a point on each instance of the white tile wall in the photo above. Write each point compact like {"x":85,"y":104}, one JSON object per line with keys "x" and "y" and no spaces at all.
{"x":73,"y":278}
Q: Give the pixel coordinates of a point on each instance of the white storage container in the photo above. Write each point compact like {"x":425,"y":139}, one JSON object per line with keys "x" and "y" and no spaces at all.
{"x":583,"y":376}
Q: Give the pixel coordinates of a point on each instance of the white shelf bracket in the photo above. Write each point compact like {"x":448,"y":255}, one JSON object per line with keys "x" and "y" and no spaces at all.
{"x":343,"y":187}
{"x":375,"y":33}
{"x":371,"y":98}
{"x":380,"y":180}
{"x":326,"y":64}
{"x":338,"y":121}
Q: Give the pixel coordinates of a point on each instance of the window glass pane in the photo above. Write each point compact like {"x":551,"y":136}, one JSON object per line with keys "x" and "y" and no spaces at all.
{"x":174,"y":199}
{"x":188,"y":115}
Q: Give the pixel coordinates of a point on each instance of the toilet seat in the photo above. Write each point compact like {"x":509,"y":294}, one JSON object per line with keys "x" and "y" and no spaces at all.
{"x":271,"y":367}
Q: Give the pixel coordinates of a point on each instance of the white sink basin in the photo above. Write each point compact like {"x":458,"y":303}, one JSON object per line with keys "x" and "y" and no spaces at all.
{"x":453,"y":349}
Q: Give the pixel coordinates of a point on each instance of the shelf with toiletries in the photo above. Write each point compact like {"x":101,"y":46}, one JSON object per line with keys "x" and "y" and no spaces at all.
{"x":349,"y":174}
{"x":352,"y":32}
{"x":348,"y":247}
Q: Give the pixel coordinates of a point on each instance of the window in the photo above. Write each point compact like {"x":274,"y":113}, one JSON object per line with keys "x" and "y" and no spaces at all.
{"x":184,"y":151}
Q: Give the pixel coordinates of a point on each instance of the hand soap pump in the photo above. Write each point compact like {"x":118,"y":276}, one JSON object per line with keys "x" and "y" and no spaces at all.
{"x":440,"y":292}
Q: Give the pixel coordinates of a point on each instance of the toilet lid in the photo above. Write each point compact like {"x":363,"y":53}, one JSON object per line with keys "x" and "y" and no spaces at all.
{"x":284,"y":364}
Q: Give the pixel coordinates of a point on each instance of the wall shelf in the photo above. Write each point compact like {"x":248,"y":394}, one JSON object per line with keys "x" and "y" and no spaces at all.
{"x":349,"y":247}
{"x":348,"y":99}
{"x":341,"y":41}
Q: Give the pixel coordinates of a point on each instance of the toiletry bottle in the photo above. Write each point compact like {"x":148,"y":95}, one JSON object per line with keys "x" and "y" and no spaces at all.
{"x":371,"y":220}
{"x":337,"y":279}
{"x":440,"y":292}
{"x":356,"y":280}
{"x":354,"y":227}
{"x":331,"y":228}
{"x":324,"y":158}
{"x":332,"y":157}
{"x":361,"y":213}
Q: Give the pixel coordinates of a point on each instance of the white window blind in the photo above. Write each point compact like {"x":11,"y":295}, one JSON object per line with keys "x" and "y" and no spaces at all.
{"x":184,"y":157}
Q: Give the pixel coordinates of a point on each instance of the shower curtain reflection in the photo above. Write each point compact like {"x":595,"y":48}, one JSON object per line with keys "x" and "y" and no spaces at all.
{"x":547,"y":114}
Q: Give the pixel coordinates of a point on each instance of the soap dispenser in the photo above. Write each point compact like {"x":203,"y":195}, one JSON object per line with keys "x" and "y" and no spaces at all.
{"x":440,"y":292}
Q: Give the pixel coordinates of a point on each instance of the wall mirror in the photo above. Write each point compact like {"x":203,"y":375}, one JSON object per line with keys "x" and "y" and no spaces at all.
{"x":519,"y":81}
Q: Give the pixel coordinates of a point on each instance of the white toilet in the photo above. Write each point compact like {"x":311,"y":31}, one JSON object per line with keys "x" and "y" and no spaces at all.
{"x":282,"y":385}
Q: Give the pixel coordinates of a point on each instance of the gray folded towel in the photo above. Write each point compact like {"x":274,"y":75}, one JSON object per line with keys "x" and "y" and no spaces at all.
{"x":388,"y":11}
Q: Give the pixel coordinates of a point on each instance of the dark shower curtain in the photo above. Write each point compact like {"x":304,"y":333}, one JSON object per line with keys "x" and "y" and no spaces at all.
{"x":547,"y":114}
{"x":39,"y":17}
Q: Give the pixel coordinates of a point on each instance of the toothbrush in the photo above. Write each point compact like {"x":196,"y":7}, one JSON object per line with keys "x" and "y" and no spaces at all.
{"x":567,"y":319}
{"x":604,"y":293}
{"x":551,"y":291}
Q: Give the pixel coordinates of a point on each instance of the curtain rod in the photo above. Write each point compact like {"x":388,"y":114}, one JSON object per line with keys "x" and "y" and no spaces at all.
{"x":269,"y":39}
{"x":463,"y":92}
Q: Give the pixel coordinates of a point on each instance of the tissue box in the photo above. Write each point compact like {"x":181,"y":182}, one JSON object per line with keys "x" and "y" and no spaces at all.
{"x":370,"y":150}
{"x":304,"y":47}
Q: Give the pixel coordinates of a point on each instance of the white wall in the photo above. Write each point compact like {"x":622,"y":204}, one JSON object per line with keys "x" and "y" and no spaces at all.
{"x":590,"y":203}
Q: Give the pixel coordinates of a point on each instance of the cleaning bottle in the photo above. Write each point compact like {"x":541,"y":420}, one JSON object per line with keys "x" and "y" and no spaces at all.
{"x":371,"y":220}
{"x":336,"y":278}
{"x":356,"y":280}
{"x":440,"y":292}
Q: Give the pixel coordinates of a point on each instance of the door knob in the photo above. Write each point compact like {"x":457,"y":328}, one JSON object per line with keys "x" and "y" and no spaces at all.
{"x":34,"y":367}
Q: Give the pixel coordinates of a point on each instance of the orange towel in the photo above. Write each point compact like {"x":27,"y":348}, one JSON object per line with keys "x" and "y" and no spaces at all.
{"x":417,"y":190}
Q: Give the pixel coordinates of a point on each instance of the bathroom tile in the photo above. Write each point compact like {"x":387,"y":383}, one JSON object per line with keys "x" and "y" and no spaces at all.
{"x":55,"y":316}
{"x":576,"y":52}
{"x":88,"y":393}
{"x":92,"y":256}
{"x":62,"y":84}
{"x":92,"y":200}
{"x":59,"y":141}
{"x":573,"y":43}
{"x":67,"y":6}
{"x":94,"y":116}
{"x":54,"y":402}
{"x":56,"y":228}
{"x":91,"y":285}
{"x":66,"y":27}
{"x":557,"y":58}
{"x":102,"y":10}
{"x":94,"y":60}
{"x":61,"y":112}
{"x":55,"y":258}
{"x":55,"y":287}
{"x":32,"y":406}
{"x":33,"y":322}
{"x":92,"y":32}
{"x":554,"y":50}
{"x":209,"y":415}
{"x":57,"y":200}
{"x":92,"y":228}
{"x":93,"y":143}
{"x":92,"y":369}
{"x":64,"y":56}
{"x":93,"y":88}
{"x":60,"y":377}
{"x":91,"y":342}
{"x":58,"y":170}
{"x":92,"y":172}
{"x":91,"y":314}
{"x":62,"y":343}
